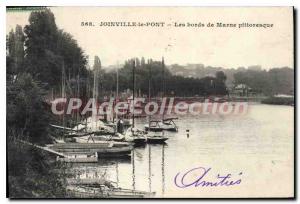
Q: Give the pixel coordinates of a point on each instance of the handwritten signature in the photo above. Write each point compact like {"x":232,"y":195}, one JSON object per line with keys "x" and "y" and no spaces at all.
{"x":184,"y":180}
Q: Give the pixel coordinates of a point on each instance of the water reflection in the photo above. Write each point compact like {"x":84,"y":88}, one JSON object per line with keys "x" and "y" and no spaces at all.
{"x":259,"y":137}
{"x":163,"y":170}
{"x":149,"y":171}
{"x":117,"y":175}
{"x":143,"y":174}
{"x":133,"y":171}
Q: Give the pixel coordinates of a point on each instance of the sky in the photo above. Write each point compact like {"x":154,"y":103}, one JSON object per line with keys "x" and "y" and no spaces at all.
{"x":228,"y":47}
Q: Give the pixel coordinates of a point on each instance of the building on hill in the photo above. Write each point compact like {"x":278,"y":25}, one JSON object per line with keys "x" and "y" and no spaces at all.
{"x":242,"y":90}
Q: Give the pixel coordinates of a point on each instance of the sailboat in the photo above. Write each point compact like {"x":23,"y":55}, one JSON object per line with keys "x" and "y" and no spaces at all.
{"x":137,"y":135}
{"x":167,"y":124}
{"x":89,"y":138}
{"x":92,"y":126}
{"x":156,"y":135}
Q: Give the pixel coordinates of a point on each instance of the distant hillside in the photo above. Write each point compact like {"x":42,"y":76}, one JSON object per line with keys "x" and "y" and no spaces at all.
{"x":200,"y":71}
{"x":273,"y":81}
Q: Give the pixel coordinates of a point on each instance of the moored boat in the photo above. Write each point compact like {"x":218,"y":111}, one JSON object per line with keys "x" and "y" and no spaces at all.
{"x":153,"y":125}
{"x":165,"y":124}
{"x":79,"y":158}
{"x":156,"y":138}
{"x":104,"y":191}
{"x":135,"y":135}
{"x":104,"y":149}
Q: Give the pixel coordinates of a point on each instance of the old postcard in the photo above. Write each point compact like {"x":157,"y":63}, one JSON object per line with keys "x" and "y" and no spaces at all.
{"x":150,"y":102}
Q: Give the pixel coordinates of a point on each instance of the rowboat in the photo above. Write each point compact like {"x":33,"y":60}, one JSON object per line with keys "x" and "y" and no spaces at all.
{"x":104,"y":191}
{"x":156,"y":138}
{"x":79,"y":158}
{"x":103,"y":148}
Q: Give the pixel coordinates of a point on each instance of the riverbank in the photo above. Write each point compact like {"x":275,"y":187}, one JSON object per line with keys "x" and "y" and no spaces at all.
{"x":33,"y":173}
{"x":279,"y":101}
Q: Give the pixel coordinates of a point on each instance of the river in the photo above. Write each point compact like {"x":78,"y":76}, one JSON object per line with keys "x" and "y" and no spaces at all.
{"x":258,"y":144}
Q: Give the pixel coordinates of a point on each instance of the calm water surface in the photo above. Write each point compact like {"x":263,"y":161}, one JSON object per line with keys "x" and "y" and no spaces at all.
{"x":259,"y":144}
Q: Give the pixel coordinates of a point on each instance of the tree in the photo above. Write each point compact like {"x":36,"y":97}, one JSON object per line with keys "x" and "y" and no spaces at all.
{"x":27,"y":113}
{"x":97,"y":64}
{"x":42,"y":59}
{"x":143,"y":63}
{"x":281,"y":80}
{"x":50,"y":50}
{"x":220,"y":76}
{"x":15,"y":50}
{"x":31,"y":73}
{"x":220,"y":83}
{"x":258,"y":81}
{"x":72,"y":55}
{"x":174,"y":85}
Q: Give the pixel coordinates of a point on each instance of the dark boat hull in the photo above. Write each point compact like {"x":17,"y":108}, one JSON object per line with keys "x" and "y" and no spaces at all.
{"x":124,"y":153}
{"x":171,"y":129}
{"x":103,"y":150}
{"x":154,"y":129}
{"x":159,"y":129}
{"x":156,"y":140}
{"x":139,"y":141}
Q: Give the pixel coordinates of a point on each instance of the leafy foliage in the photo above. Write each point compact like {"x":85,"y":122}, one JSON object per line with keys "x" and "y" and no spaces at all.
{"x":274,"y":81}
{"x":31,"y":174}
{"x":31,"y":73}
{"x":266,"y":82}
{"x":50,"y":51}
{"x":162,"y":81}
{"x":26,"y":110}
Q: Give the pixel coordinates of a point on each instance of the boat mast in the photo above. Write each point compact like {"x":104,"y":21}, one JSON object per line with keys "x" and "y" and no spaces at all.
{"x":133,"y":88}
{"x":117,"y":89}
{"x":94,"y":96}
{"x":63,"y":93}
{"x":149,"y":87}
{"x":78,"y":95}
{"x":97,"y":67}
{"x":163,"y":83}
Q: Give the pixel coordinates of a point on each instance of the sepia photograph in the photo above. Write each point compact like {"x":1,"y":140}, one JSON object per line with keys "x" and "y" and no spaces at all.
{"x":150,"y":102}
